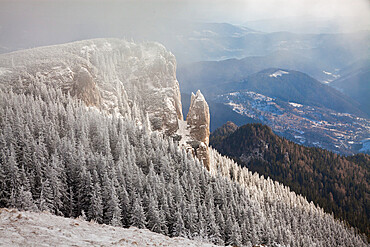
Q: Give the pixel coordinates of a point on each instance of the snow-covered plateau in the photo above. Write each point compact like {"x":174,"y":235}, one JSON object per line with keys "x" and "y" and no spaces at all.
{"x":20,"y":228}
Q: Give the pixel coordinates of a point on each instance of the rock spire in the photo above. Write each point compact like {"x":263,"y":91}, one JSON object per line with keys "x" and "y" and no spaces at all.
{"x":198,"y":122}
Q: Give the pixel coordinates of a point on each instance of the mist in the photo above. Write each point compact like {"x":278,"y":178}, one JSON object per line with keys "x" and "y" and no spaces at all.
{"x":175,"y":23}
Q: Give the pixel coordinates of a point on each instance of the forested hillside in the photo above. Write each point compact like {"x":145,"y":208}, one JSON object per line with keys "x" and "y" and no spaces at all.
{"x":336,"y":183}
{"x":57,"y":155}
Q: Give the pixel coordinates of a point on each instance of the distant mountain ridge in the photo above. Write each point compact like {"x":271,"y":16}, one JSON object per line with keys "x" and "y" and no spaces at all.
{"x":294,"y":104}
{"x":308,"y":53}
{"x":193,"y":42}
{"x":295,"y":86}
{"x":355,"y":83}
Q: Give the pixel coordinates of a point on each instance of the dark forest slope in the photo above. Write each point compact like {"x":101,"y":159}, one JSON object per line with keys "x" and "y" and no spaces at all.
{"x":336,"y":183}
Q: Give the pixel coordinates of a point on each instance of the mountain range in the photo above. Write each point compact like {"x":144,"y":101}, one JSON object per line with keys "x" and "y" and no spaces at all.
{"x":294,"y":104}
{"x":95,"y":129}
{"x":355,"y":83}
{"x":295,"y":86}
{"x":196,"y":41}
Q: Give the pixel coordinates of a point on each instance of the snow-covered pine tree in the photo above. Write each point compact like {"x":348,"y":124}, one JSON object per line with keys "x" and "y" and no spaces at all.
{"x":65,"y":154}
{"x":138,"y":214}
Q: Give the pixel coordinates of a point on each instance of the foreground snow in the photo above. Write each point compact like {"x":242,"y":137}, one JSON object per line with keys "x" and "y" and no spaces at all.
{"x":44,"y":229}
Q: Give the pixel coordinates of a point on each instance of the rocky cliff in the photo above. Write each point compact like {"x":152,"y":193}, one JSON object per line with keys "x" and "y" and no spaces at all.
{"x":198,"y":122}
{"x":137,"y":81}
{"x":113,"y":75}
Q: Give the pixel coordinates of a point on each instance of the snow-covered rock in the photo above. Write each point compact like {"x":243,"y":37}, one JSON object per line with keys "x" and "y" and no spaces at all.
{"x":119,"y":77}
{"x":198,"y":122}
{"x":111,"y":74}
{"x":198,"y":118}
{"x":279,"y":73}
{"x":44,"y":229}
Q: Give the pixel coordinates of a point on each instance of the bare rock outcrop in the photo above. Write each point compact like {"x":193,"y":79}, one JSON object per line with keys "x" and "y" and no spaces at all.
{"x":84,"y":88}
{"x":198,"y":123}
{"x":137,"y":81}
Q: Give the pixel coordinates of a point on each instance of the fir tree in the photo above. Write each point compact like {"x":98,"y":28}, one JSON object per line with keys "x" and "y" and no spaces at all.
{"x":138,"y":215}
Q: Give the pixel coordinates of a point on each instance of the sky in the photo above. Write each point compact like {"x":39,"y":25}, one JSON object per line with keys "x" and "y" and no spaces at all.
{"x":244,"y":10}
{"x":29,"y":23}
{"x":233,"y":11}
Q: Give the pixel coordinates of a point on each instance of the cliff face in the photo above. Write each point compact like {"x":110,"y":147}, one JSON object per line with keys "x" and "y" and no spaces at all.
{"x":198,"y":123}
{"x":113,"y":75}
{"x":137,"y":81}
{"x":84,"y":87}
{"x":198,"y":118}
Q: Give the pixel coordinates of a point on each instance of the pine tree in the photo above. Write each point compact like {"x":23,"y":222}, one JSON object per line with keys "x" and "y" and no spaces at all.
{"x":153,"y":218}
{"x":138,"y":215}
{"x":125,"y":207}
{"x":46,"y":197}
{"x":213,"y":229}
{"x":11,"y":179}
{"x":179,"y":229}
{"x":106,"y":197}
{"x":191,"y":215}
{"x":235,"y":237}
{"x":26,"y":201}
{"x":114,"y":211}
{"x":95,"y":211}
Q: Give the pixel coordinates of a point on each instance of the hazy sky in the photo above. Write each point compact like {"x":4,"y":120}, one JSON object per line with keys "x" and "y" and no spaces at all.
{"x":27,"y":23}
{"x":236,"y":11}
{"x":242,"y":10}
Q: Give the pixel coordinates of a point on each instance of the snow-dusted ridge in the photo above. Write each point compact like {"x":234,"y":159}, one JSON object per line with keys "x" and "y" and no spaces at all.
{"x":279,"y":73}
{"x":44,"y":229}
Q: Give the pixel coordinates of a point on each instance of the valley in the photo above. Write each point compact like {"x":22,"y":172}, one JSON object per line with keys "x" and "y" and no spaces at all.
{"x":307,"y":125}
{"x":293,"y":104}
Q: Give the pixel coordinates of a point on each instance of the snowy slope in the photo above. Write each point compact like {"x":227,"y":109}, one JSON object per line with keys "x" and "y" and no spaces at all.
{"x":44,"y":229}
